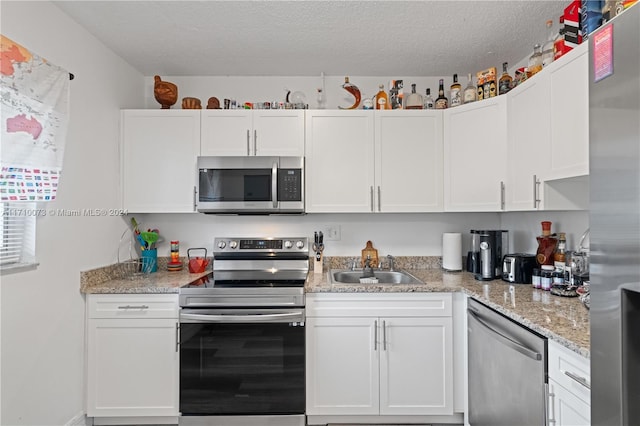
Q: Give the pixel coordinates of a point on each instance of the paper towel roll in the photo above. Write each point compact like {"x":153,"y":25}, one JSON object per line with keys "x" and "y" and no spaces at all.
{"x":452,"y":251}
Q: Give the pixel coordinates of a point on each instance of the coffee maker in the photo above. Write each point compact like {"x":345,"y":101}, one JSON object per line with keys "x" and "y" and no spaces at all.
{"x":484,"y":258}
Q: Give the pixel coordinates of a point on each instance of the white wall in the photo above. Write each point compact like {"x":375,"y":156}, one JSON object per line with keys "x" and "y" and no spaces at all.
{"x":42,"y":314}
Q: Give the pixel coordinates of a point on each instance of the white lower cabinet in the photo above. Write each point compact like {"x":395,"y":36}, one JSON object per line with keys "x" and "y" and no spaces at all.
{"x":375,"y":355}
{"x":569,"y":387}
{"x":132,"y":356}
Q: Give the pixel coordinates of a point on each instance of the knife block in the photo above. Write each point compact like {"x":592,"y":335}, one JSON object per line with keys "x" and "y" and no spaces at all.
{"x":317,"y":265}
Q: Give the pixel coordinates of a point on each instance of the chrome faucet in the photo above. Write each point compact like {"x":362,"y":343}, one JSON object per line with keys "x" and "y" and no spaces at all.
{"x":391,"y":262}
{"x":367,"y":271}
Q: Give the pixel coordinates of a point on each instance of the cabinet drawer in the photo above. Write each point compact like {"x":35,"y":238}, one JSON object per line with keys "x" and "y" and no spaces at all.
{"x":570,"y":370}
{"x":379,"y":305}
{"x":132,"y":305}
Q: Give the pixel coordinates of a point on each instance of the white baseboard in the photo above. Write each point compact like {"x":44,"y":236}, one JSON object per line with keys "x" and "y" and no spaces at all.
{"x":79,"y":420}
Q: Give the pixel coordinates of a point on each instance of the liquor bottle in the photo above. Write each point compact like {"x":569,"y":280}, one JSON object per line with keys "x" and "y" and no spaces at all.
{"x":504,"y":84}
{"x":382,"y":99}
{"x":535,"y":60}
{"x":546,"y":245}
{"x":547,"y":47}
{"x":414,"y":100}
{"x":441,"y":101}
{"x":559,"y":257}
{"x":353,"y":89}
{"x":469,"y":94}
{"x":456,"y":98}
{"x":428,"y":100}
{"x":558,"y":43}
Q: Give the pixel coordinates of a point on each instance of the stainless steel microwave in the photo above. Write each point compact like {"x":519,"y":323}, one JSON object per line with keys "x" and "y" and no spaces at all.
{"x":250,"y":185}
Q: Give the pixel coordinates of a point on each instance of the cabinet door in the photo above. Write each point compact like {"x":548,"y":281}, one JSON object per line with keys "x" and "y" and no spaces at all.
{"x":342,"y":366}
{"x":339,"y":153}
{"x":133,"y":367}
{"x":408,"y":161}
{"x":278,"y":133}
{"x":569,"y":106}
{"x":475,"y":154}
{"x":158,"y":160}
{"x":529,"y":143}
{"x":567,"y":409}
{"x":226,"y":132}
{"x":416,"y":366}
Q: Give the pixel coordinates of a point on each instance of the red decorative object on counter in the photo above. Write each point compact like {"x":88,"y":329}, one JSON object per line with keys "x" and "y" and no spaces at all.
{"x":546,"y":245}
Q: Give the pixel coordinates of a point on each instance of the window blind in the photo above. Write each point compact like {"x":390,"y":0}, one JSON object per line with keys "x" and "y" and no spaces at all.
{"x":17,"y":228}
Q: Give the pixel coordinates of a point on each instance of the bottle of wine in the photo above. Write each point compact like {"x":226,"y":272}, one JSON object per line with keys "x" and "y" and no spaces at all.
{"x":505,"y":82}
{"x":441,"y":101}
{"x":456,"y":98}
{"x":469,"y":94}
{"x":382,"y":99}
{"x":428,"y":100}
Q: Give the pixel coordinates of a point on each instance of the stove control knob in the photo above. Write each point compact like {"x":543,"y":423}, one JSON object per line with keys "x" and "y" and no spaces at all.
{"x":288,"y":244}
{"x":222,"y":245}
{"x":299,"y":244}
{"x":233,"y":244}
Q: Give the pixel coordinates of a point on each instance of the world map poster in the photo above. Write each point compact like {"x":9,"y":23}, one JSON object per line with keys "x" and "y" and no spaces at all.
{"x":34,"y":96}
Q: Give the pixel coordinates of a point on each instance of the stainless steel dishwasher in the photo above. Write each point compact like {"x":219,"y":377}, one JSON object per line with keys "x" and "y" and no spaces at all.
{"x":507,"y":370}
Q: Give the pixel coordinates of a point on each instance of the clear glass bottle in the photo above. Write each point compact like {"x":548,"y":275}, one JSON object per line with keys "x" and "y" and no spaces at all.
{"x":547,"y":47}
{"x":414,"y":100}
{"x":559,"y":257}
{"x":535,"y":60}
{"x":382,"y":99}
{"x":469,"y":94}
{"x":455,"y":95}
{"x":505,"y":82}
{"x":321,"y":99}
{"x":428,"y":100}
{"x":441,"y":101}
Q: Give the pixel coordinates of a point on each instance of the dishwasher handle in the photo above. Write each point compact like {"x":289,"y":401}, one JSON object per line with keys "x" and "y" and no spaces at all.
{"x":505,"y":340}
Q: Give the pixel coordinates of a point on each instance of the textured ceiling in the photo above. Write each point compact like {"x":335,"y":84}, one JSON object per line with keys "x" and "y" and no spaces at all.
{"x":305,"y":38}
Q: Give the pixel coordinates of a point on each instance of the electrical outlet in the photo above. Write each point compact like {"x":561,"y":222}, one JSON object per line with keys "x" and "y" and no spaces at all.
{"x":331,"y":233}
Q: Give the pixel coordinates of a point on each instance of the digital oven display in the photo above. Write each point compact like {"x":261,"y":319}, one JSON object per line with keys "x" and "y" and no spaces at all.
{"x":260,"y":244}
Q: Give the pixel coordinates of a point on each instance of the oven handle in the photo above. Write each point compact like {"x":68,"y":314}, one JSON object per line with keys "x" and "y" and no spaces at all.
{"x":280,"y":317}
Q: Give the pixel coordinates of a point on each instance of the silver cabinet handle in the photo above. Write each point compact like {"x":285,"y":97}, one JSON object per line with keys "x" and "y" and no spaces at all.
{"x":583,"y":381}
{"x":501,"y":195}
{"x":255,"y":142}
{"x":195,"y":198}
{"x":505,"y":340}
{"x":550,"y":415}
{"x":375,"y":335}
{"x":248,"y":144}
{"x":536,"y":192}
{"x":384,"y":335}
{"x":274,"y":184}
{"x":379,"y":202}
{"x":372,"y":208}
{"x":133,"y":307}
{"x":177,"y":336}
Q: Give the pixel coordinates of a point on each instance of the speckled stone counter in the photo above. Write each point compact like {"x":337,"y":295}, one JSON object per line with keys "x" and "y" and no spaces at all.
{"x":563,"y":319}
{"x":112,"y":280}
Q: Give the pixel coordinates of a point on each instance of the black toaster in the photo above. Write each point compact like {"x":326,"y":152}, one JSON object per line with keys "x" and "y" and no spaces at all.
{"x":518,"y":267}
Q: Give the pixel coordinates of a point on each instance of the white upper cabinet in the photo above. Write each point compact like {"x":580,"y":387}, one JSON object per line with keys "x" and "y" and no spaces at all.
{"x":408,"y":163}
{"x":475,"y":155}
{"x":339,"y":163}
{"x":569,"y":108}
{"x":529,"y":144}
{"x":158,"y":160}
{"x":240,"y":132}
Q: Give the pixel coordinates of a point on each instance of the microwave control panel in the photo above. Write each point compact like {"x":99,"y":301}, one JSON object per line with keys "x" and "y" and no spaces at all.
{"x":289,"y":185}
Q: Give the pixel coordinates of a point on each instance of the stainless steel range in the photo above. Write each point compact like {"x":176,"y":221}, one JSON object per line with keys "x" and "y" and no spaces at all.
{"x":242,"y":336}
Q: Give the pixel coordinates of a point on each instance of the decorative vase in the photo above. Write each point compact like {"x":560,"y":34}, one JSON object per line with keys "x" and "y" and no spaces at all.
{"x":166,"y":93}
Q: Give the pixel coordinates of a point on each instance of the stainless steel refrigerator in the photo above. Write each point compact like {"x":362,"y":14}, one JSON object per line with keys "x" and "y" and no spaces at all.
{"x":614,"y":132}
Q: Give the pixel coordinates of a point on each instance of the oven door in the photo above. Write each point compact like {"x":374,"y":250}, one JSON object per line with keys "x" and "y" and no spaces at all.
{"x":242,"y":362}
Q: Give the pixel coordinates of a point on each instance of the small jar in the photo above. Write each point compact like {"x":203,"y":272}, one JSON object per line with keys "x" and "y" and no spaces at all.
{"x":558,"y":278}
{"x":546,"y":277}
{"x":535,"y":278}
{"x":175,"y":251}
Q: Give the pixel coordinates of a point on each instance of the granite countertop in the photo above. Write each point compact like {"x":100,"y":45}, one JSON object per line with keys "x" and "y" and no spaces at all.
{"x":563,"y":319}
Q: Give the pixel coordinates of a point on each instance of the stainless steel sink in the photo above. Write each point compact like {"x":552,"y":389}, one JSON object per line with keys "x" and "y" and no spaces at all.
{"x":348,"y":276}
